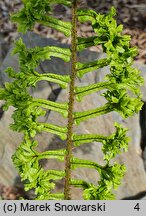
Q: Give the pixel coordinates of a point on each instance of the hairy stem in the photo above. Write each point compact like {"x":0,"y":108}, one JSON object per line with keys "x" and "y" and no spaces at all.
{"x":67,"y":195}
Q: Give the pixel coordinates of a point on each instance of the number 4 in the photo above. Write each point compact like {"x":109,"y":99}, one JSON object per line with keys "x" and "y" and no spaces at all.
{"x":137,"y":206}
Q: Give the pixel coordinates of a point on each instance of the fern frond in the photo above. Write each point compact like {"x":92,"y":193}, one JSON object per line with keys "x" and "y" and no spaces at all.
{"x":121,"y":90}
{"x":59,"y":25}
{"x":63,"y":2}
{"x":82,"y":91}
{"x":30,"y":57}
{"x":131,"y":85}
{"x":87,"y":15}
{"x":58,"y":107}
{"x":79,"y":183}
{"x":57,"y":196}
{"x":56,"y":154}
{"x":76,"y":163}
{"x":82,"y":116}
{"x":58,"y":130}
{"x":84,"y":43}
{"x":79,"y":139}
{"x":35,"y":11}
{"x":120,"y":101}
{"x":83,"y":68}
{"x":34,"y":77}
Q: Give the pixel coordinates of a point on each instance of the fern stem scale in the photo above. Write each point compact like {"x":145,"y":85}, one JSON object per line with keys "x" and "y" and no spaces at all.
{"x":67,"y":195}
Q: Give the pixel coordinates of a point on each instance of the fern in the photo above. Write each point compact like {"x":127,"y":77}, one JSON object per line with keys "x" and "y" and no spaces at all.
{"x":121,"y":91}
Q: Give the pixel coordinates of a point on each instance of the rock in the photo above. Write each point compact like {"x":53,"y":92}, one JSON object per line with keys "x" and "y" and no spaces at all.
{"x":4,"y":47}
{"x":142,"y":68}
{"x":9,"y":140}
{"x":135,"y":178}
{"x":139,"y":196}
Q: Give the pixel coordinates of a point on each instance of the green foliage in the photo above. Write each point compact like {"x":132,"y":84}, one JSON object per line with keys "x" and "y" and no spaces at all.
{"x":110,"y":178}
{"x":121,"y":90}
{"x":37,"y":11}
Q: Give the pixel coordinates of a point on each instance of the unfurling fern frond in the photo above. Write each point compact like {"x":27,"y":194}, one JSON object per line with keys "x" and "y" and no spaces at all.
{"x":121,"y":90}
